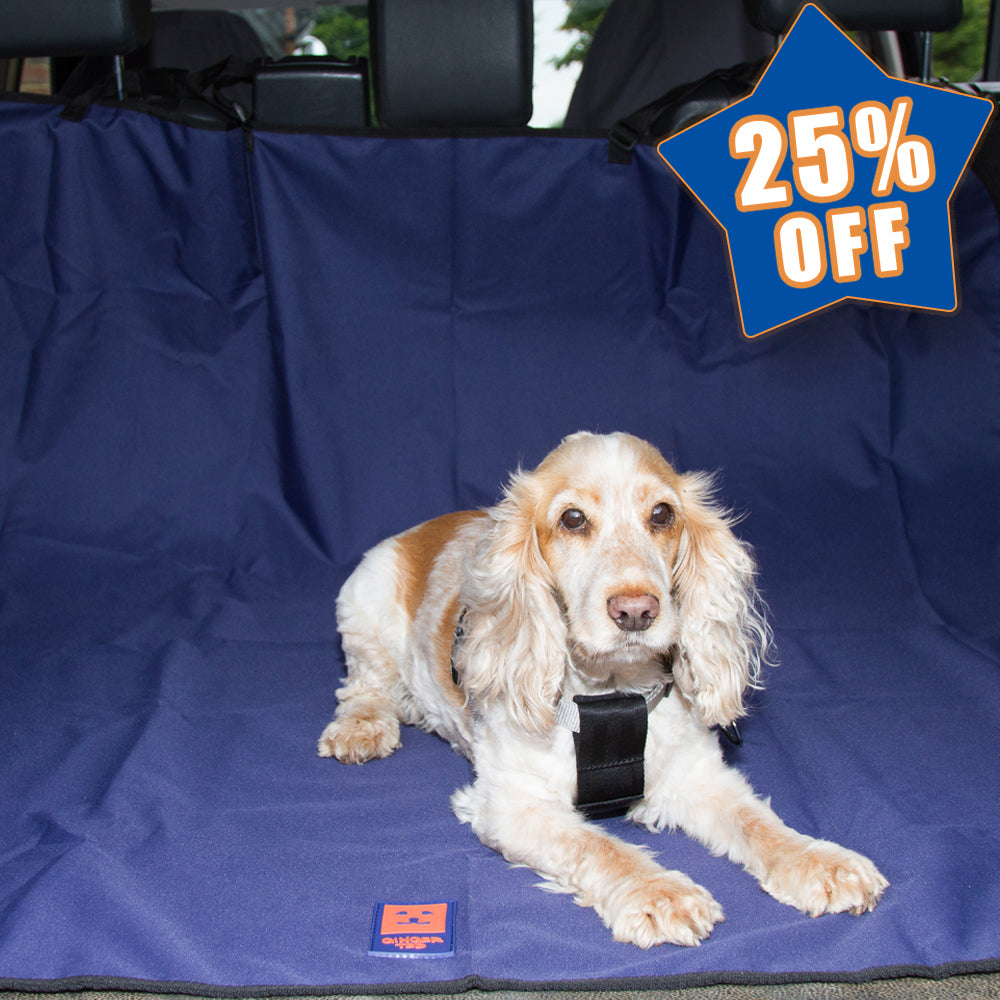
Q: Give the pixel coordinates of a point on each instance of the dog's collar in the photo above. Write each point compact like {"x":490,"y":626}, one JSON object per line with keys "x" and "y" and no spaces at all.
{"x":568,"y":711}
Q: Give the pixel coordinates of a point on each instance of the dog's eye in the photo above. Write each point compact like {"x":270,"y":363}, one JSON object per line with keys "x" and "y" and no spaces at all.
{"x":573,"y":519}
{"x":662,"y":515}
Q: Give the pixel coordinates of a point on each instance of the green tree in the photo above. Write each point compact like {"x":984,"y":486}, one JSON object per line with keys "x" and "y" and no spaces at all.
{"x":582,"y":16}
{"x":958,"y":54}
{"x":343,"y":30}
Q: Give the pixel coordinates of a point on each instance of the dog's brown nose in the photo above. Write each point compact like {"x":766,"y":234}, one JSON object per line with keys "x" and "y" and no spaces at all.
{"x":633,"y":612}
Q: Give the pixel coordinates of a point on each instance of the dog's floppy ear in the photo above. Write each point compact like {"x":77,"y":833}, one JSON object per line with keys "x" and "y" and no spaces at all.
{"x":514,"y":654}
{"x":723,"y":635}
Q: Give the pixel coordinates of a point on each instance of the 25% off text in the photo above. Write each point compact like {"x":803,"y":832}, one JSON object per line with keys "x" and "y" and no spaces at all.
{"x":823,"y":172}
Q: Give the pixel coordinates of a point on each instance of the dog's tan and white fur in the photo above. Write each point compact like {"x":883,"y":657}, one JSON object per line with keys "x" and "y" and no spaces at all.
{"x":594,"y":573}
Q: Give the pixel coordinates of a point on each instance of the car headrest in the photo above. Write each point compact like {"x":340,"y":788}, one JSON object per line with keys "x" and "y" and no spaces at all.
{"x":776,"y":16}
{"x":452,"y":63}
{"x":78,"y":27}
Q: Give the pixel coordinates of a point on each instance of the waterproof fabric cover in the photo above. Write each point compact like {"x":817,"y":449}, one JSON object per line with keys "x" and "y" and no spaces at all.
{"x":227,"y":368}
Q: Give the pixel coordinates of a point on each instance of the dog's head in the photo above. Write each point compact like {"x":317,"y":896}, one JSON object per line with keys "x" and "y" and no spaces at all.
{"x":604,"y":559}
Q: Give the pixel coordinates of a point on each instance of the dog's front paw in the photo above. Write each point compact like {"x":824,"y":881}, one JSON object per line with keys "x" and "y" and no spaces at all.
{"x":821,"y":877}
{"x":663,"y":908}
{"x":355,"y":740}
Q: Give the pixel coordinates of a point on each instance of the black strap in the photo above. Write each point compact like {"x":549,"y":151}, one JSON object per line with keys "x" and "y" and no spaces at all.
{"x":610,"y":747}
{"x":680,"y":107}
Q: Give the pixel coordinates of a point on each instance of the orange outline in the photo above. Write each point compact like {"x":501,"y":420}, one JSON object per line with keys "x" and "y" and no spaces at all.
{"x":918,"y":140}
{"x":876,"y":263}
{"x":865,"y":106}
{"x":820,"y":242}
{"x":856,"y":252}
{"x":820,"y":161}
{"x":753,"y":156}
{"x":843,"y":298}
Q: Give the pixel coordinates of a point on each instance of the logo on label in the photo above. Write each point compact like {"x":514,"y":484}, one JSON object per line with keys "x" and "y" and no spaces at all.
{"x":414,"y":930}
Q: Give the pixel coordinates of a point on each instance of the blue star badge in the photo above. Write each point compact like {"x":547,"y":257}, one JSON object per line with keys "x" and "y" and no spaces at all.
{"x":832,"y":180}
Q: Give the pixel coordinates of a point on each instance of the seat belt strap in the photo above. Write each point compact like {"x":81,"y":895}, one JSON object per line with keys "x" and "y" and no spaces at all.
{"x":610,"y":748}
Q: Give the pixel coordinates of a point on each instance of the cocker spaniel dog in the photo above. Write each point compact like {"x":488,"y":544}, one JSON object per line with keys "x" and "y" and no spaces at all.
{"x":601,"y":573}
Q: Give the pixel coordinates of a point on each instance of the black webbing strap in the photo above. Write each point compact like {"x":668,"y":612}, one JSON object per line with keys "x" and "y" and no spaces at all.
{"x":610,"y":747}
{"x":680,"y":107}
